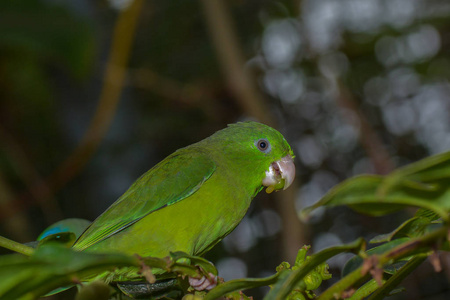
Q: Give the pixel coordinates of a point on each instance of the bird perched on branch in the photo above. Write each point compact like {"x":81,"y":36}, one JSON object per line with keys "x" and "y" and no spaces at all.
{"x":196,"y":196}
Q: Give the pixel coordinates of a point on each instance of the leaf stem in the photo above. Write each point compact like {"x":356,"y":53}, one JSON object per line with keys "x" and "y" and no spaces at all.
{"x":15,"y":246}
{"x":418,"y":247}
{"x":364,"y":291}
{"x":395,"y":280}
{"x":345,"y":283}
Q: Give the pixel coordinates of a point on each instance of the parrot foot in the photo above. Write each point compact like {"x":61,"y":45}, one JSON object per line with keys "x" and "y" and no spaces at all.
{"x":204,"y":283}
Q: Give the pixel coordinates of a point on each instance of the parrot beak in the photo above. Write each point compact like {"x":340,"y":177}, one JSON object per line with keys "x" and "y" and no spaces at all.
{"x":280,"y":175}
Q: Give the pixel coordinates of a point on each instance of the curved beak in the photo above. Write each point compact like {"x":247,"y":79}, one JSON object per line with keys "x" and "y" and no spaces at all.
{"x":280,"y":174}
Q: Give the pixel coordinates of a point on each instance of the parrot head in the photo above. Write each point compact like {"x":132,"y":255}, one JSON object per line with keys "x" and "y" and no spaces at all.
{"x":260,"y":150}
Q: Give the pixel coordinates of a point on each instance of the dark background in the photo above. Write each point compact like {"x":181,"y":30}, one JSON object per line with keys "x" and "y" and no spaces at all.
{"x":94,"y":93}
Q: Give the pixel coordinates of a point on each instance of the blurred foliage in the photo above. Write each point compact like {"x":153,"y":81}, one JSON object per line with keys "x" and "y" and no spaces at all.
{"x":375,"y":273}
{"x":356,"y":86}
{"x":423,"y":184}
{"x":53,"y":268}
{"x":39,"y":40}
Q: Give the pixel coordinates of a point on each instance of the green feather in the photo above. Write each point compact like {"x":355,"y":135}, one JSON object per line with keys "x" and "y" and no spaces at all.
{"x":154,"y":190}
{"x":190,"y":200}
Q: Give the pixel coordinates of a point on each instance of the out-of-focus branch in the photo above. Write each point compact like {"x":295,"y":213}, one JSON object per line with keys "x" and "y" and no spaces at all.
{"x":295,"y":233}
{"x":115,"y":73}
{"x":122,"y":41}
{"x":178,"y":93}
{"x":253,"y":104}
{"x":14,"y":222}
{"x":31,"y":177}
{"x":198,"y":95}
{"x":232,"y":61}
{"x":368,"y":138}
{"x":169,"y":88}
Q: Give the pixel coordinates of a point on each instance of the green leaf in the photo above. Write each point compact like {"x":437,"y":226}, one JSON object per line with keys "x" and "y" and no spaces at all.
{"x":242,"y":284}
{"x":397,"y":278}
{"x":286,"y":284}
{"x":424,"y":184}
{"x":365,"y":290}
{"x":427,"y":170}
{"x":355,"y":262}
{"x":204,"y":264}
{"x":52,"y":266}
{"x":413,"y":227}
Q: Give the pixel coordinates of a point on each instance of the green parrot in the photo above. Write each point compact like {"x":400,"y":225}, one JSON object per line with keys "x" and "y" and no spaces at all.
{"x":194,"y":197}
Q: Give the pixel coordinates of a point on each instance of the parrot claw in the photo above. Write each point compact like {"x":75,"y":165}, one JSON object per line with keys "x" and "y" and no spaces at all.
{"x":204,"y":283}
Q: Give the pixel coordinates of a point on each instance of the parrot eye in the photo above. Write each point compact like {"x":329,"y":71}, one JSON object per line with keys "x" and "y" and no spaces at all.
{"x":263,"y":145}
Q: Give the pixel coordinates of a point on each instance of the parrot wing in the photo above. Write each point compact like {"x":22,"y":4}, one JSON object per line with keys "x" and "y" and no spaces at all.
{"x":173,"y":179}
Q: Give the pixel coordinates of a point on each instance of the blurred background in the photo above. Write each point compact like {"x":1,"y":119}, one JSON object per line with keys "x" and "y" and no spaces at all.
{"x":94,"y":93}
